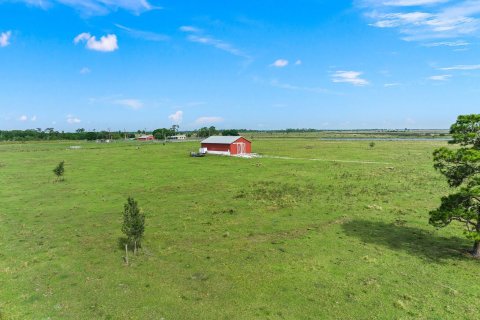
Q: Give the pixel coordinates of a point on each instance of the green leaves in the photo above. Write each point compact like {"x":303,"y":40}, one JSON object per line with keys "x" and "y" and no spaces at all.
{"x":459,"y":206}
{"x":59,"y":169}
{"x":466,"y":131}
{"x":133,"y":221}
{"x":461,"y":167}
{"x":457,"y":165}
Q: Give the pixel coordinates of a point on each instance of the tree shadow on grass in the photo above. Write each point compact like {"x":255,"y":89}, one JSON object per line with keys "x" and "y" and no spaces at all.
{"x":414,"y":241}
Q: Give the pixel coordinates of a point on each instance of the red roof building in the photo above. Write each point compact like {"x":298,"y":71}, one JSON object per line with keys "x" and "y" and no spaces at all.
{"x":146,"y":138}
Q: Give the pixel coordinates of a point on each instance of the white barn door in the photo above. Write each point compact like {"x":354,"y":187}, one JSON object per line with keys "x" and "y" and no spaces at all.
{"x":241,"y":148}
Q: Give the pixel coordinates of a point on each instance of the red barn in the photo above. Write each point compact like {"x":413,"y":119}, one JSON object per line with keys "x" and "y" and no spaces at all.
{"x":227,"y":145}
{"x":146,"y":138}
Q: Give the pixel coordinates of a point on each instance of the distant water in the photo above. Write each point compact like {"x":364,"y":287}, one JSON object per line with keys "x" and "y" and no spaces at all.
{"x":385,"y":139}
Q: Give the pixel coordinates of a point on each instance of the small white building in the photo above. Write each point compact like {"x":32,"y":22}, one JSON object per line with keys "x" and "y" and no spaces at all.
{"x":178,"y":137}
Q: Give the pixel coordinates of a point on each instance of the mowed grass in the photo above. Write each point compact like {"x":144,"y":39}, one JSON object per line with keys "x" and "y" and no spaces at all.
{"x":230,"y":238}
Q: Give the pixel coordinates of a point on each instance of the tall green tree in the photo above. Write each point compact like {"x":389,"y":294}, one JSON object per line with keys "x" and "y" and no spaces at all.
{"x":162,"y":133}
{"x":461,"y":167}
{"x":133,"y":223}
{"x":230,"y":132}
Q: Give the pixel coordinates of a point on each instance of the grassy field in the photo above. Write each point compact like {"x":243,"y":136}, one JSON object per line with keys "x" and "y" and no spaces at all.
{"x":229,"y":238}
{"x":351,"y":134}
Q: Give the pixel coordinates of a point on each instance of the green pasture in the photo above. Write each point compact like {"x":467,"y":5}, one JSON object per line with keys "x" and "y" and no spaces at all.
{"x":342,"y":236}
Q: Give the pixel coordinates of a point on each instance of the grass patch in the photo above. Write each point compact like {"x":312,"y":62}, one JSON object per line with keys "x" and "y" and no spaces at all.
{"x":230,"y":238}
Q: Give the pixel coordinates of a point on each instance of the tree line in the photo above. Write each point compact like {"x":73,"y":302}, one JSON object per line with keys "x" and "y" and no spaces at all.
{"x":82,"y":134}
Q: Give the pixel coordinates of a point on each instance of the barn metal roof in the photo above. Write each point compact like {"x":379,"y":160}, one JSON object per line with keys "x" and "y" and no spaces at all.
{"x":221,"y":139}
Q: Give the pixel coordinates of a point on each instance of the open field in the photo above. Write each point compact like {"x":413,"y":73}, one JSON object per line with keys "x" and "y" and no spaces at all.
{"x":229,"y":238}
{"x":350,"y":134}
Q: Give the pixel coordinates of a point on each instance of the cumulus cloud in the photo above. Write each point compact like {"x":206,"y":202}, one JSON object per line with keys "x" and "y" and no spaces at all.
{"x":134,"y":104}
{"x":23,"y":118}
{"x":280,"y":63}
{"x":33,"y":119}
{"x":441,"y":77}
{"x":106,"y":43}
{"x":72,"y":119}
{"x":177,"y":117}
{"x":208,"y":120}
{"x":298,"y":62}
{"x":352,"y":77}
{"x":5,"y":38}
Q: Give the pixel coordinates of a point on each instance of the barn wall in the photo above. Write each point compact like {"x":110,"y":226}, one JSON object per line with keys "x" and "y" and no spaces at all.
{"x":248,"y":146}
{"x":216,"y":147}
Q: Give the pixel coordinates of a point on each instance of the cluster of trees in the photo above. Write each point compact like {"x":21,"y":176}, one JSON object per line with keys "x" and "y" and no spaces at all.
{"x":52,"y":134}
{"x":206,"y":132}
{"x":212,"y":131}
{"x":82,"y":134}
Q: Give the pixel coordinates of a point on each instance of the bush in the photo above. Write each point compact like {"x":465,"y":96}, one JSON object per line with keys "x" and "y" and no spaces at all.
{"x":59,"y":170}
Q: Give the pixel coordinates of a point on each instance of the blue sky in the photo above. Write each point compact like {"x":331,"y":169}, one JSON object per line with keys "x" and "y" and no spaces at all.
{"x":102,"y":64}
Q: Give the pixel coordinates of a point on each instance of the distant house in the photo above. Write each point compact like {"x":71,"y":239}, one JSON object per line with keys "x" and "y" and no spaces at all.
{"x":144,"y":137}
{"x":178,"y":137}
{"x":227,"y":145}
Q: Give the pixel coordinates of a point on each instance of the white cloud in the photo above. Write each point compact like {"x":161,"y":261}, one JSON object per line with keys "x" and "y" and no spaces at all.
{"x":462,"y":67}
{"x":298,"y":62}
{"x":141,"y":34}
{"x":5,"y":38}
{"x":134,"y":104}
{"x":401,"y":19}
{"x":96,"y":7}
{"x":196,"y":35}
{"x":352,"y":77}
{"x":85,"y":70}
{"x":441,"y":77}
{"x":408,"y":3}
{"x":208,"y":120}
{"x":84,"y":36}
{"x":280,"y":63}
{"x":430,"y":19}
{"x":219,"y":44}
{"x":177,"y":117}
{"x":190,"y":29}
{"x":23,"y":118}
{"x":72,"y":119}
{"x":33,"y":119}
{"x":459,"y":43}
{"x":106,"y":43}
{"x":389,"y":85}
{"x":287,"y":86}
